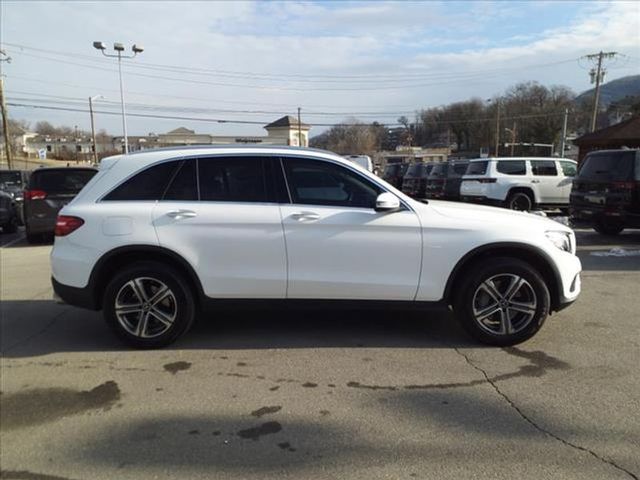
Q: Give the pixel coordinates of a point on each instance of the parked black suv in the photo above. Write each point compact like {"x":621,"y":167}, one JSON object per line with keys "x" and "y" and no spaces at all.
{"x":8,"y":213}
{"x":394,"y":173}
{"x":12,"y":182}
{"x":455,"y":170}
{"x":414,"y":182}
{"x":48,"y":190}
{"x":606,"y":191}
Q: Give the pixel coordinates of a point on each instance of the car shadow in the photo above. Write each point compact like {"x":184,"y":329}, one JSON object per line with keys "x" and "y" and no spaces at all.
{"x":37,"y":327}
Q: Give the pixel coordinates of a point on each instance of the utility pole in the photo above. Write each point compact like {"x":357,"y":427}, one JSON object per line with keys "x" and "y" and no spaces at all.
{"x":597,"y":76}
{"x":5,"y":126}
{"x":513,"y":138}
{"x":3,"y":110}
{"x":498,"y":128}
{"x":299,"y":130}
{"x":93,"y":129}
{"x":563,"y":139}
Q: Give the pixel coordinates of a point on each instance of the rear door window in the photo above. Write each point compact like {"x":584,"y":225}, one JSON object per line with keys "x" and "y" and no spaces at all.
{"x":568,"y":168}
{"x":477,"y":168}
{"x":512,"y":167}
{"x":232,"y":179}
{"x":63,"y":182}
{"x":147,"y":185}
{"x":609,"y":166}
{"x":544,"y":168}
{"x":184,"y":184}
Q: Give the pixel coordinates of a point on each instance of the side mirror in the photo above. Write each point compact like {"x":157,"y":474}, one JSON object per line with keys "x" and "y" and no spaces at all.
{"x":387,"y":202}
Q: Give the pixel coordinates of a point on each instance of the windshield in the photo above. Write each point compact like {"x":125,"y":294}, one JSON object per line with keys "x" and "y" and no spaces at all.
{"x":438,"y":170}
{"x":609,"y":166}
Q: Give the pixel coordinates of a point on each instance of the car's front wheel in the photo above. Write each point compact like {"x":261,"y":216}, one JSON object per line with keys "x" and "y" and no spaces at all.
{"x":502,"y":302}
{"x":149,"y":305}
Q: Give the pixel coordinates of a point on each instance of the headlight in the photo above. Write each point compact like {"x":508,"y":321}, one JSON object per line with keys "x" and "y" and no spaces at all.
{"x":562,"y":240}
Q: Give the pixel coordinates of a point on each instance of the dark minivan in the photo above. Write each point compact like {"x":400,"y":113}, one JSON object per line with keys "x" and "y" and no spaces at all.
{"x":606,"y":191}
{"x":48,"y":190}
{"x":414,"y":182}
{"x":394,"y":173}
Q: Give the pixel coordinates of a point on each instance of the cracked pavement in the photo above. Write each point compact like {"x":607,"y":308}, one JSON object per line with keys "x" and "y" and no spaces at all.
{"x":310,"y":394}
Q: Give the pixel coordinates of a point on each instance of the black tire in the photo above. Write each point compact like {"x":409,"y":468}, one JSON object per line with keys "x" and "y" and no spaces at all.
{"x":182,"y":304}
{"x":11,"y":226}
{"x":501,"y":271}
{"x":33,"y":238}
{"x":520,"y":201}
{"x":604,"y":227}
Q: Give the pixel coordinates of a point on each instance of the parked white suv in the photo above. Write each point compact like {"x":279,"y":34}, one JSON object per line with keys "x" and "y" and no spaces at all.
{"x":519,"y":183}
{"x":155,"y":237}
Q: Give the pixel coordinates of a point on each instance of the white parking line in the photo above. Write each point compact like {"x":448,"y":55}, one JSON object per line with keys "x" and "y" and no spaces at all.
{"x":12,"y":242}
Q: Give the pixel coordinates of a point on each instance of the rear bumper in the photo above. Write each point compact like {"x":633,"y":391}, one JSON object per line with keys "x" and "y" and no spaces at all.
{"x":41,"y":225}
{"x":594,"y":214}
{"x":78,"y":297}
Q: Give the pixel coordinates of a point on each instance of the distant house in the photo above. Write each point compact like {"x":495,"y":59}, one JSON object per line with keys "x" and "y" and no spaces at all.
{"x":623,"y":134}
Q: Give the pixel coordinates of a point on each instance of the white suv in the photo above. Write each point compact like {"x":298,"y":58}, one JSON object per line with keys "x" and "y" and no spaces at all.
{"x":519,"y":183}
{"x":158,"y":236}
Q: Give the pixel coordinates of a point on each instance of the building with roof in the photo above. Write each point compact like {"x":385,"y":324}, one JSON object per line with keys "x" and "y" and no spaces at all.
{"x":623,"y":134}
{"x":284,"y":131}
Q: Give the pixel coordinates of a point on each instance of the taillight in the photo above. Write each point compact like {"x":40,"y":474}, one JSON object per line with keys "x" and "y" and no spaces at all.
{"x":66,"y":224}
{"x":624,"y":185}
{"x":35,"y":194}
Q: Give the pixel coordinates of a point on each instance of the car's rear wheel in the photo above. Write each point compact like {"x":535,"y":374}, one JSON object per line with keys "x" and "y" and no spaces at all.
{"x":149,"y":305}
{"x":608,"y":227}
{"x":504,"y":302}
{"x":11,"y":226}
{"x":519,"y":201}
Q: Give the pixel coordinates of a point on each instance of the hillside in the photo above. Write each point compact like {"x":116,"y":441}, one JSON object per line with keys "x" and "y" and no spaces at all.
{"x":614,"y":90}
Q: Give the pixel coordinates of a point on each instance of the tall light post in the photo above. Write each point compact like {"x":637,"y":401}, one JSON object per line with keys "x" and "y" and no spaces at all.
{"x":93,"y":128}
{"x":119,"y":48}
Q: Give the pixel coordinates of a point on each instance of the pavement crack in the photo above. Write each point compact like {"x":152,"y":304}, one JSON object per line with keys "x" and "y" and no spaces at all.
{"x":530,"y":421}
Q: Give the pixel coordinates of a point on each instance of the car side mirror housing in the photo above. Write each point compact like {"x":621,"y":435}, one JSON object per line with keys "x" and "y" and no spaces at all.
{"x":387,"y":202}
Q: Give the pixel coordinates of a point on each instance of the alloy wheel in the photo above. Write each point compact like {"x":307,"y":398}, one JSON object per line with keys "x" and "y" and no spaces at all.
{"x":504,"y":304}
{"x":146,"y":307}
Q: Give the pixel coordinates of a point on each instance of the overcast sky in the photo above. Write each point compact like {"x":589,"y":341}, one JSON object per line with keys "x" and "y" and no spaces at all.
{"x":254,"y":61}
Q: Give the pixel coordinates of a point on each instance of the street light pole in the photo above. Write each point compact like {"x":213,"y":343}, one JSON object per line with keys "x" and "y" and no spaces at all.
{"x":119,"y":48}
{"x":3,"y":111}
{"x":93,"y":128}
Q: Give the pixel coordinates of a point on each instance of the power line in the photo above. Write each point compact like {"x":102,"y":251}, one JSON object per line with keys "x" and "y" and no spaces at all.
{"x":264,"y":122}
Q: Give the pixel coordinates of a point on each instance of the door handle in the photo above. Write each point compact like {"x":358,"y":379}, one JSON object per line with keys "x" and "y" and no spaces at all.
{"x":535,"y":181}
{"x":305,"y":216}
{"x":178,"y":214}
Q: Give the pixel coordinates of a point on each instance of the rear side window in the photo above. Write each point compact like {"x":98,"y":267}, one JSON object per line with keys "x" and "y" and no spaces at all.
{"x":184,"y":185}
{"x":569,"y":169}
{"x":610,"y":166}
{"x":512,"y":167}
{"x":232,"y":179}
{"x":544,"y":168}
{"x":477,"y":168}
{"x":63,"y":181}
{"x":149,"y":184}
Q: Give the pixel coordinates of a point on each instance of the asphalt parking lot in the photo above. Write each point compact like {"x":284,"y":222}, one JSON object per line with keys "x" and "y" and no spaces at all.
{"x":345,"y":395}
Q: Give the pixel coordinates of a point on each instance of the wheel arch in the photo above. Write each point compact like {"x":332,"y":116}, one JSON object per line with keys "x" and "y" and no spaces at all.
{"x":521,"y":251}
{"x":115,"y":259}
{"x":528,"y":189}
